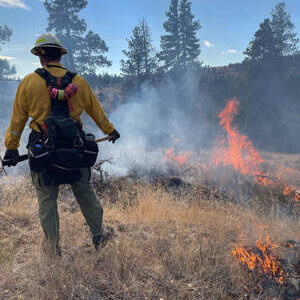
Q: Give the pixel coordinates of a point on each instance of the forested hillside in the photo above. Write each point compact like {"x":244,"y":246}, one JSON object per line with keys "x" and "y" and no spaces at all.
{"x":269,"y":95}
{"x":266,"y":82}
{"x":178,"y":92}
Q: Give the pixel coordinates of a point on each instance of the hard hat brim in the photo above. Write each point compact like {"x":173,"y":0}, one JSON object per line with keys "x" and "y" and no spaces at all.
{"x":35,"y":51}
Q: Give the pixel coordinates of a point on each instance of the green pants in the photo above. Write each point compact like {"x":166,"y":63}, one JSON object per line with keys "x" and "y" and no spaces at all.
{"x":85,"y":196}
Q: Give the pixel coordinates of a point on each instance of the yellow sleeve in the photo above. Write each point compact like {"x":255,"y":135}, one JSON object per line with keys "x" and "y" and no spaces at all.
{"x":95,"y":111}
{"x":18,"y":119}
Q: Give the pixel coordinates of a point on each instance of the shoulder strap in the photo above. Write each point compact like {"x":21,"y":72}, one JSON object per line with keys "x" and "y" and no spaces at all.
{"x":42,"y":72}
{"x":53,"y":81}
{"x":70,"y":75}
{"x":50,"y":79}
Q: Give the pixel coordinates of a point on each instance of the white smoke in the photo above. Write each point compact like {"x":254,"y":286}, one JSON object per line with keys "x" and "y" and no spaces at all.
{"x":7,"y":94}
{"x":172,"y":113}
{"x":157,"y":118}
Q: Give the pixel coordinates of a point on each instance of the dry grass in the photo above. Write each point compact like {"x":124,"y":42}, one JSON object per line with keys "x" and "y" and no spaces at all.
{"x":168,"y":245}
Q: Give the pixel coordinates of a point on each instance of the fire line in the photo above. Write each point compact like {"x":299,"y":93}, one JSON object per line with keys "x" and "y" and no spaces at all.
{"x":238,"y":151}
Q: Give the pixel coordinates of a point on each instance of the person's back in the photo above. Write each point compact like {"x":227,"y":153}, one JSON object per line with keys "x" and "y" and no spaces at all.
{"x":32,"y":100}
{"x":36,"y":99}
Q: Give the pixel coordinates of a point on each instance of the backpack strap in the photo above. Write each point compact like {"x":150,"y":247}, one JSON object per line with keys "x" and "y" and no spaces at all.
{"x":67,"y":79}
{"x":44,"y":74}
{"x":53,"y":81}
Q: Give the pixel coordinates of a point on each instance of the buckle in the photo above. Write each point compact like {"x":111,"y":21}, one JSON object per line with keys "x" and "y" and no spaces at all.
{"x":78,"y":142}
{"x":49,"y":143}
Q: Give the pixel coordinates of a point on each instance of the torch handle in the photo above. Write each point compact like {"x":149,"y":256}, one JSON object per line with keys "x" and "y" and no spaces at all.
{"x":9,"y":163}
{"x":99,"y":140}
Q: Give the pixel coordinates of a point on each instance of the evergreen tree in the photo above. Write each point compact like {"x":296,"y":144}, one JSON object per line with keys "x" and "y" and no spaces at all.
{"x":263,"y":44}
{"x":141,"y":61}
{"x":5,"y":34}
{"x":133,"y":65}
{"x":150,"y":63}
{"x":85,"y":50}
{"x":170,"y":42}
{"x":283,"y":29}
{"x":188,"y":28}
{"x":5,"y":68}
{"x":180,"y":46}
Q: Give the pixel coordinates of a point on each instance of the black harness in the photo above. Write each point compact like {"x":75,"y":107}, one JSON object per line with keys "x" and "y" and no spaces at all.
{"x":60,"y":83}
{"x":61,"y":148}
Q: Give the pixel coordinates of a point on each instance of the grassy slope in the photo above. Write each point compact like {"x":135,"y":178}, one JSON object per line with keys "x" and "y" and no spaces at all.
{"x":168,"y":246}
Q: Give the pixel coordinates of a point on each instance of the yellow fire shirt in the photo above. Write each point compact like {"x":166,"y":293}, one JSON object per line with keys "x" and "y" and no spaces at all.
{"x":33,"y":100}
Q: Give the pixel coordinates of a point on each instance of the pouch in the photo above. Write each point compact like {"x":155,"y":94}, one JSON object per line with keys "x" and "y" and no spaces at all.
{"x":68,"y":158}
{"x":90,"y":151}
{"x":39,"y":155}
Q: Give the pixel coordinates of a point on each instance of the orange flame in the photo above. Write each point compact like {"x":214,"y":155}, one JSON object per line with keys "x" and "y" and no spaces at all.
{"x":238,"y":151}
{"x":179,"y":159}
{"x":262,"y":260}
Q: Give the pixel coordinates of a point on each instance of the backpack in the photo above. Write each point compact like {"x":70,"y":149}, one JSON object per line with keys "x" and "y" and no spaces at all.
{"x":62,"y":148}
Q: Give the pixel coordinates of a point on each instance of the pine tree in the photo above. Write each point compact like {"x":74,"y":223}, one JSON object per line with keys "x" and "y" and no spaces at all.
{"x":188,"y":29}
{"x":133,"y":65}
{"x":5,"y":34}
{"x":85,"y":50}
{"x":263,"y":44}
{"x":141,"y":61}
{"x":180,"y":46}
{"x":283,"y":29}
{"x":150,"y":64}
{"x":170,"y":42}
{"x":5,"y":68}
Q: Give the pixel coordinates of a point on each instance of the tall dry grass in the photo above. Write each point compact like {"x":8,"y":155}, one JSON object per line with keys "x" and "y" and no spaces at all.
{"x":168,"y":245}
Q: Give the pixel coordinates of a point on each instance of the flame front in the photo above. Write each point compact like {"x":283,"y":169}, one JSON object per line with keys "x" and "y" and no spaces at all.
{"x":262,"y":260}
{"x":238,"y":151}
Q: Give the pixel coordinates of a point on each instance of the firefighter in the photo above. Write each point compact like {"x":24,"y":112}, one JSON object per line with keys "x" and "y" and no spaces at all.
{"x":32,"y":100}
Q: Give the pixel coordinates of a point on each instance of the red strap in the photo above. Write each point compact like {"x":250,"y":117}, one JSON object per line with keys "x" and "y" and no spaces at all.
{"x":71,"y":108}
{"x":45,"y":129}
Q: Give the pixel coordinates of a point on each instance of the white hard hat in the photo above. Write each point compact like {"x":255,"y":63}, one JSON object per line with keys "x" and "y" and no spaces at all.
{"x":47,"y":40}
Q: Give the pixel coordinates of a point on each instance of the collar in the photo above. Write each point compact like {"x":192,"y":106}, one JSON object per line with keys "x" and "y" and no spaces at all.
{"x":53,"y":63}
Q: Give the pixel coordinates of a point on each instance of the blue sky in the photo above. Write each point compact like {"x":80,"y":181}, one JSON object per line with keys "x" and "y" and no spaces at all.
{"x":227,"y":26}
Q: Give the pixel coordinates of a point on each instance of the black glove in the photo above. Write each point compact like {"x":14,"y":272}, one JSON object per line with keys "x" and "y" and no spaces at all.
{"x":114,"y":136}
{"x":11,"y":158}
